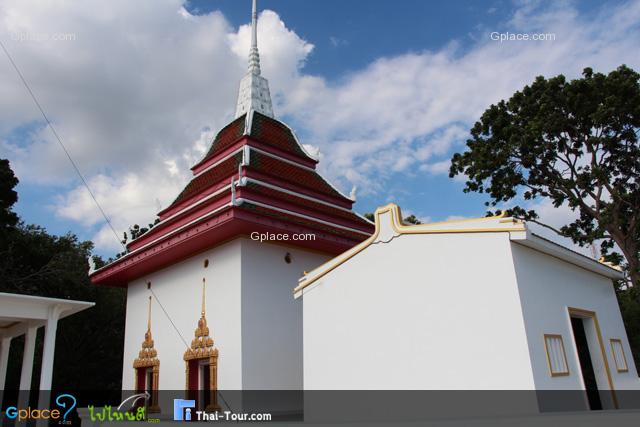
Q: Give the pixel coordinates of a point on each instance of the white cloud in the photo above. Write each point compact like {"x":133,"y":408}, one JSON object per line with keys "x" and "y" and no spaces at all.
{"x":282,"y":52}
{"x":436,"y":168}
{"x":556,"y":218}
{"x":400,"y":107}
{"x":128,"y":199}
{"x":137,"y":97}
{"x":140,"y":92}
{"x":337,"y":41}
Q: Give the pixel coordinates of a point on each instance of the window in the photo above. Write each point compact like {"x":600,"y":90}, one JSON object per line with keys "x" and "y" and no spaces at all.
{"x":618,"y":355}
{"x":201,"y":361}
{"x":147,"y":367}
{"x":556,"y":355}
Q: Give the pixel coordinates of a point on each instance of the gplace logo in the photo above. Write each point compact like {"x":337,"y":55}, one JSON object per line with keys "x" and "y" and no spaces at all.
{"x":66,"y":401}
{"x":182,"y":409}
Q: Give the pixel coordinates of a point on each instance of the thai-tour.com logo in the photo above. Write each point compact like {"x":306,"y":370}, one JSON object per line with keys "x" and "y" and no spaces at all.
{"x":185,"y":410}
{"x":65,"y":403}
{"x":182,"y":409}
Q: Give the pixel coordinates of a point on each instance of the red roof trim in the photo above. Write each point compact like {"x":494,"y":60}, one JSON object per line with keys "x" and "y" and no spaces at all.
{"x":294,"y":204}
{"x":255,"y":144}
{"x":180,"y":220}
{"x":224,"y":171}
{"x":211,"y":232}
{"x":226,"y":137}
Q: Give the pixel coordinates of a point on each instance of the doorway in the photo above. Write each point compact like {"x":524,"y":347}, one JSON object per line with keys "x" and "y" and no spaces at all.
{"x":594,"y":367}
{"x":204,"y":386}
{"x":586,"y":366}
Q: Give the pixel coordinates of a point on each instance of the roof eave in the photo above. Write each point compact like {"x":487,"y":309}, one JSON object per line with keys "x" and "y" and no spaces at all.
{"x":533,"y":241}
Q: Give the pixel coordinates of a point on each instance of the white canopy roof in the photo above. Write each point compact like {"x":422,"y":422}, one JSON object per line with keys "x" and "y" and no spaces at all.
{"x":18,"y":312}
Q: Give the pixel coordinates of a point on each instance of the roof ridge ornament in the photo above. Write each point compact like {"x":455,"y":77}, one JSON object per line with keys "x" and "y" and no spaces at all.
{"x":254,"y":89}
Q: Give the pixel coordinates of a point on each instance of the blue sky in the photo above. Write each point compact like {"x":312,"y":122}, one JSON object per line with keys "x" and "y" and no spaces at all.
{"x":387,"y":90}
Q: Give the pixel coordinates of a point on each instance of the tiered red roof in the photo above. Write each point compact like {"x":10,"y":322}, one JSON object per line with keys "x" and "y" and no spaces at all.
{"x":255,"y":178}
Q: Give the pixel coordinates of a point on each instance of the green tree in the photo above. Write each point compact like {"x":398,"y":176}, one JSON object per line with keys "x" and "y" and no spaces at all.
{"x":574,"y":143}
{"x":411,"y":219}
{"x":8,"y":196}
{"x":89,"y":345}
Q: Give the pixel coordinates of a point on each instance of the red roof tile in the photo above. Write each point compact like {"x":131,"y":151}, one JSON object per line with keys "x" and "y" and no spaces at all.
{"x":266,"y":212}
{"x":210,"y":178}
{"x":293,"y":174}
{"x":272,"y":194}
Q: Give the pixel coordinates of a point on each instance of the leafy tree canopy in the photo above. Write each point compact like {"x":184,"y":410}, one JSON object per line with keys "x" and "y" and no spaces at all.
{"x":574,"y":143}
{"x":411,"y":219}
{"x":8,"y":196}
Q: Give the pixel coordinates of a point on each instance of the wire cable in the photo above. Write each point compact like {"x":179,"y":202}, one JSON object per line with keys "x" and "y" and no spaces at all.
{"x":64,"y":148}
{"x":169,"y":317}
{"x":84,"y":181}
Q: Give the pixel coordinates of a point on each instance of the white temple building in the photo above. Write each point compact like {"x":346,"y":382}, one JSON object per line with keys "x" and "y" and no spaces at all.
{"x":204,"y":254}
{"x":479,"y":304}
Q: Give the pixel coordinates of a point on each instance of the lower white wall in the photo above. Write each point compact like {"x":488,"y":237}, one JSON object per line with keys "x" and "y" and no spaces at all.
{"x":432,"y":311}
{"x":179,"y":289}
{"x":271,"y":318}
{"x":548,"y":286}
{"x":253,"y":318}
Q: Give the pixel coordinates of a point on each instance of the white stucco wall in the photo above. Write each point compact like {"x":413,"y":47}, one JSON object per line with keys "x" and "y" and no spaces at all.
{"x":548,"y":286}
{"x":438,"y":311}
{"x":179,"y":289}
{"x":271,"y":318}
{"x":252,"y":316}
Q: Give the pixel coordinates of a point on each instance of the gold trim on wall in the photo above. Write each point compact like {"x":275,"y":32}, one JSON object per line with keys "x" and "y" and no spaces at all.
{"x":579,"y":312}
{"x":148,"y":358}
{"x":564,"y":355}
{"x":203,"y":349}
{"x":400,"y":228}
{"x":615,"y":359}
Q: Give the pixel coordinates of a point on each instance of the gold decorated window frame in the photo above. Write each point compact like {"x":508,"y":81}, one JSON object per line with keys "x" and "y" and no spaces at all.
{"x":553,"y":373}
{"x":620,"y":369}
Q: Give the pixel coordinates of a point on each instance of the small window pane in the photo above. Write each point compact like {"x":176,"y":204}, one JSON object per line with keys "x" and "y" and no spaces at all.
{"x":556,"y":355}
{"x":618,"y":355}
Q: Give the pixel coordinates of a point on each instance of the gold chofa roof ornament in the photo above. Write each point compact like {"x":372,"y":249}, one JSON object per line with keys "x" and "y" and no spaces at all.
{"x":148,"y":356}
{"x":202,"y":345}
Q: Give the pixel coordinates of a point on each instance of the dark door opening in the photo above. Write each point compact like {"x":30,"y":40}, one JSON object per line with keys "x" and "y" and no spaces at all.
{"x":205,"y":389}
{"x":584,"y":355}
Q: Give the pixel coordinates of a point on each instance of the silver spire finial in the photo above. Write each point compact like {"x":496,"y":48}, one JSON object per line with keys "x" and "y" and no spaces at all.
{"x":254,"y":56}
{"x":254,"y":89}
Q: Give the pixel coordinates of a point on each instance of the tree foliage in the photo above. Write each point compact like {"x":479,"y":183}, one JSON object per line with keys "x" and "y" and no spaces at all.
{"x":8,"y":196}
{"x":574,"y":143}
{"x":411,"y":219}
{"x":135,"y":231}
